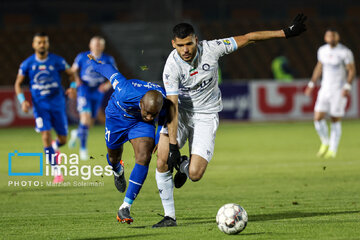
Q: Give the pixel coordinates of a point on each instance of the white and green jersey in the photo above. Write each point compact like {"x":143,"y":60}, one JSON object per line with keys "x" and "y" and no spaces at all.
{"x":196,"y":84}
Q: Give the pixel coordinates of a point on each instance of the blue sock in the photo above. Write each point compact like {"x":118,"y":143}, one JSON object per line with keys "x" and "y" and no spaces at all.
{"x":117,"y":167}
{"x":136,"y":180}
{"x":49,"y":152}
{"x":58,"y":143}
{"x":82,"y":134}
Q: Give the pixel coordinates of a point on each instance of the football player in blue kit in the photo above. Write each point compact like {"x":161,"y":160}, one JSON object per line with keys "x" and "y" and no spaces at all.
{"x":90,"y":91}
{"x":47,"y":95}
{"x":130,"y":116}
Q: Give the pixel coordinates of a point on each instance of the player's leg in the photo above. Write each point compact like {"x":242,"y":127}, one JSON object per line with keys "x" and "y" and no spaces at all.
{"x":165,"y":183}
{"x":202,"y":143}
{"x":114,"y":160}
{"x":337,"y":111}
{"x":43,"y":124}
{"x":143,"y":147}
{"x":82,"y":133}
{"x":321,"y":108}
{"x":60,"y":124}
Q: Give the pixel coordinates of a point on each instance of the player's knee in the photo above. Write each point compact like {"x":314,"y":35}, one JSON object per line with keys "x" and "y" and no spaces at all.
{"x":143,"y":157}
{"x":195,"y":175}
{"x":62,"y":140}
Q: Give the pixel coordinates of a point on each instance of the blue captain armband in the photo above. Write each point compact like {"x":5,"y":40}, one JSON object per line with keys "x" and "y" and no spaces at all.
{"x":21,"y":98}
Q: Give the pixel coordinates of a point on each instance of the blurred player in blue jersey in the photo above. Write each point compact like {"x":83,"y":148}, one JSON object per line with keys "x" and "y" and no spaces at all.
{"x":90,"y":91}
{"x":43,"y":71}
{"x":130,"y":116}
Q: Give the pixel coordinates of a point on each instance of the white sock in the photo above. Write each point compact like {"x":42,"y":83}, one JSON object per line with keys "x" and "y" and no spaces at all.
{"x":322,"y":130}
{"x":125,"y":205}
{"x":165,"y":185}
{"x":335,"y":136}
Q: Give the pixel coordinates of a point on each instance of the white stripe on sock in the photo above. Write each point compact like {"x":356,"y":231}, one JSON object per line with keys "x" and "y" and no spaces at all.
{"x":135,"y":182}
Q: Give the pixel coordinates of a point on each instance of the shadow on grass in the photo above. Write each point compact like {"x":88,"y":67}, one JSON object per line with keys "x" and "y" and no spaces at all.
{"x":135,"y":236}
{"x":289,"y":215}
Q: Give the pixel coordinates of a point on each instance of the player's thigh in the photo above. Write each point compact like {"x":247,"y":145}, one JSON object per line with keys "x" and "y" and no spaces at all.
{"x":42,"y":119}
{"x":143,"y":147}
{"x":322,"y":103}
{"x":95,"y":103}
{"x":202,"y":139}
{"x":59,"y":121}
{"x":319,"y":116}
{"x":83,"y":100}
{"x":184,"y":127}
{"x":338,"y":105}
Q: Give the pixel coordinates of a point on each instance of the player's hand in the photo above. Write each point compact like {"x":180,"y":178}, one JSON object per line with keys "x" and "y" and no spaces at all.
{"x":106,"y":70}
{"x":346,"y":93}
{"x":308,"y":91}
{"x":297,"y":26}
{"x":25,"y":106}
{"x":71,"y":93}
{"x":104,"y":87}
{"x":174,"y":157}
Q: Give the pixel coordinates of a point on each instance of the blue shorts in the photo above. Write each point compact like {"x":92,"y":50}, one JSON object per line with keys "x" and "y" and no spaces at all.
{"x":89,"y":100}
{"x":120,"y":129}
{"x":46,"y":118}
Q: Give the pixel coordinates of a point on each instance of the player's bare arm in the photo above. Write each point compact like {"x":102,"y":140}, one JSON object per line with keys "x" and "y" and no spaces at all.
{"x":174,"y":153}
{"x":351,"y":71}
{"x":71,"y":91}
{"x":297,"y":27}
{"x":25,"y":105}
{"x":75,"y":70}
{"x":315,"y":76}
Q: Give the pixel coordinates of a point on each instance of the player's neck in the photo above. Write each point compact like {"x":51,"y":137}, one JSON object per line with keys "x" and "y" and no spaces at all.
{"x":41,"y":56}
{"x":96,"y":54}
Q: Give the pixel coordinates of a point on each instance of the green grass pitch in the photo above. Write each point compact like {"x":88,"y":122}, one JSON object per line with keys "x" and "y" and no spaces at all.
{"x":268,"y":168}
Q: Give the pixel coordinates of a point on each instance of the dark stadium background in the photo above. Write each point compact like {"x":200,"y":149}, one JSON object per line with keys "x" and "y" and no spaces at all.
{"x":138,"y":33}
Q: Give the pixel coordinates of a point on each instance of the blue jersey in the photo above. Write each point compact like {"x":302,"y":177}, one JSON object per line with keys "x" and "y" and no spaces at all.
{"x":127,"y":95}
{"x":45,"y":78}
{"x":87,"y":74}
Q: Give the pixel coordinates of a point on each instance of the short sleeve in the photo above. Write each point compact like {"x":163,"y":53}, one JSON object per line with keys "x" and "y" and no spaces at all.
{"x":349,"y":57}
{"x":171,"y":78}
{"x":24,"y":69}
{"x":319,"y":55}
{"x":62,"y":65}
{"x":77,"y":61}
{"x":220,"y":47}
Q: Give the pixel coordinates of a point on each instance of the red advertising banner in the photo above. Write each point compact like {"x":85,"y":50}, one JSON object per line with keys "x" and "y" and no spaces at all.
{"x":10,"y":109}
{"x":286,"y":101}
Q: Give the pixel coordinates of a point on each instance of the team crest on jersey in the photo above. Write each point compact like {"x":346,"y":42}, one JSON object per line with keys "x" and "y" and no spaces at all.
{"x":42,"y":67}
{"x":206,"y":67}
{"x":226,"y":42}
{"x":51,"y":68}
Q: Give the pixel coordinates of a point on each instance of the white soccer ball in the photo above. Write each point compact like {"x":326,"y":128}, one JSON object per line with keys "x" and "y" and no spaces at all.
{"x":231,"y":218}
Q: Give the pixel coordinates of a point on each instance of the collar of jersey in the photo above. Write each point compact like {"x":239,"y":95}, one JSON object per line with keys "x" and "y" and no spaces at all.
{"x":41,"y":61}
{"x":193,"y":61}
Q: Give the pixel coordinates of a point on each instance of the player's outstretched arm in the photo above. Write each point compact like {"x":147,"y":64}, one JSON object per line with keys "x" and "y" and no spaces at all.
{"x":106,"y":70}
{"x":296,"y":28}
{"x":315,"y":76}
{"x":173,"y":113}
{"x":25,"y":105}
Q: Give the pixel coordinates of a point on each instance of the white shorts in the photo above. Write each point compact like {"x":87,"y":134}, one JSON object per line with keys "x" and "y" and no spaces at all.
{"x":332,"y":102}
{"x":200,"y":130}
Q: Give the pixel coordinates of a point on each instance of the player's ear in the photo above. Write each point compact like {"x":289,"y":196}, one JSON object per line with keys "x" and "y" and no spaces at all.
{"x":173,"y":43}
{"x":196,"y":40}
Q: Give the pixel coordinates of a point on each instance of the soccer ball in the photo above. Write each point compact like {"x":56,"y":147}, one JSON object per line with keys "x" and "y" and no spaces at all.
{"x":231,"y":218}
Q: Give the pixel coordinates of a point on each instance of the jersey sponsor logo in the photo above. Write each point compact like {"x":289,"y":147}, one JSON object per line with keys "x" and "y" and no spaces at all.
{"x":206,"y":67}
{"x":198,"y":87}
{"x":226,"y":42}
